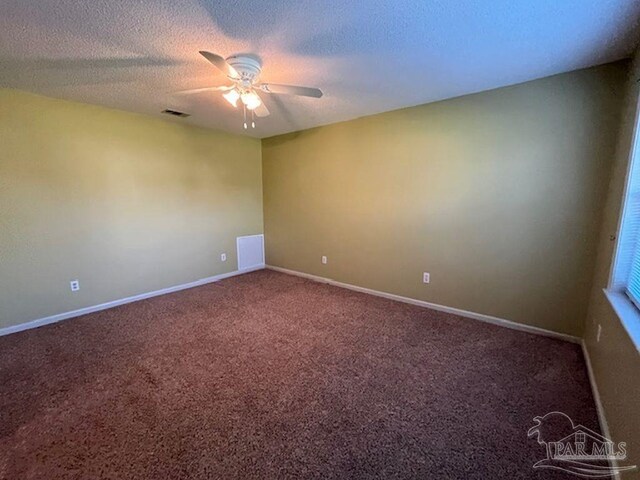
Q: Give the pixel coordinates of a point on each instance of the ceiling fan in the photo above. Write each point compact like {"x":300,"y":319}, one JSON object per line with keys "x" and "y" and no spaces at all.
{"x":244,"y":72}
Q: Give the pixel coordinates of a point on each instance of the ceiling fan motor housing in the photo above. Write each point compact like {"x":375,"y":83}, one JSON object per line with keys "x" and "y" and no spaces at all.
{"x":248,"y":66}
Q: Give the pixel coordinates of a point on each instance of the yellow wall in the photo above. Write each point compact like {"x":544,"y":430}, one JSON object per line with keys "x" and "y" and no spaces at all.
{"x":125,"y":203}
{"x":498,"y":195}
{"x":615,"y":360}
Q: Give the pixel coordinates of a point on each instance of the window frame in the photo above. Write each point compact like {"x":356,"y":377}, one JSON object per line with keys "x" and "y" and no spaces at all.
{"x":627,"y":310}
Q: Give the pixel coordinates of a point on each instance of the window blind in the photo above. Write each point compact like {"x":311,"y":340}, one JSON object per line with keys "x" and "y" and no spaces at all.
{"x":632,"y":227}
{"x":628,"y":254}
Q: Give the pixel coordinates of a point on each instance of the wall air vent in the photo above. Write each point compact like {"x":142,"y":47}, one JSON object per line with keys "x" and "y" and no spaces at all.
{"x":175,"y":113}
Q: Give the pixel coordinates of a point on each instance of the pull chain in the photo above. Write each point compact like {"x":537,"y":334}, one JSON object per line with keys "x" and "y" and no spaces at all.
{"x":244,"y":112}
{"x":253,"y":120}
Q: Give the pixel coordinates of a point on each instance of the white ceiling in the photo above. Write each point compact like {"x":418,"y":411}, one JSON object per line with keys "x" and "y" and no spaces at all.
{"x":368,"y":56}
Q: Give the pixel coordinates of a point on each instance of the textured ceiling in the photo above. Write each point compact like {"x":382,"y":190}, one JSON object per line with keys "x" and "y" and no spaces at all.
{"x":368,"y":56}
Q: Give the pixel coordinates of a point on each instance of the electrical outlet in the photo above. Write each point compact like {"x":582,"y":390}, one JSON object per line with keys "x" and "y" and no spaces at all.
{"x":75,"y":285}
{"x":599,"y":333}
{"x":324,"y":260}
{"x":426,"y":277}
{"x":223,"y":257}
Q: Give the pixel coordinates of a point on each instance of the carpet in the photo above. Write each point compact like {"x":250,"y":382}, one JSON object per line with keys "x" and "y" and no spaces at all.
{"x":268,"y":375}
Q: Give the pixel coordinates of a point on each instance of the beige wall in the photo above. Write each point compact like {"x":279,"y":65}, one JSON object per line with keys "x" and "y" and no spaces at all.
{"x":615,"y":360}
{"x":125,"y":203}
{"x":498,"y":195}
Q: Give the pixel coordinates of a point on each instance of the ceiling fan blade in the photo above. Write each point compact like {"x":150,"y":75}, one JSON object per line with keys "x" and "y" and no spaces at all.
{"x":221,"y":63}
{"x":205,"y":89}
{"x":290,"y":90}
{"x":262,"y":110}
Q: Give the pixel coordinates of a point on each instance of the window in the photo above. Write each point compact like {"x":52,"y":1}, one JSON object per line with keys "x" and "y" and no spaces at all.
{"x":626,"y":272}
{"x":624,"y":283}
{"x":633,"y":283}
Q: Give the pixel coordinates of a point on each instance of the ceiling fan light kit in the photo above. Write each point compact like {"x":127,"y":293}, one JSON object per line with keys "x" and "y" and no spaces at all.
{"x":244,"y":71}
{"x":251,"y":100}
{"x":232,"y":96}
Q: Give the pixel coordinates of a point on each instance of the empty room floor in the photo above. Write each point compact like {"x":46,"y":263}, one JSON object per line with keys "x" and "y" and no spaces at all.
{"x":268,"y":375}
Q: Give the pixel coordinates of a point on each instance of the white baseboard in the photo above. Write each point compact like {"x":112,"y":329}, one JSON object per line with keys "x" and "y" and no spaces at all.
{"x":441,"y":308}
{"x":602,"y":420}
{"x":103,"y":306}
{"x":455,"y":311}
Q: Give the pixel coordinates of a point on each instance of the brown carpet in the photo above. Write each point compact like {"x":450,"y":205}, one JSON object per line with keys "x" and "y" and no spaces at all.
{"x":272,"y":376}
